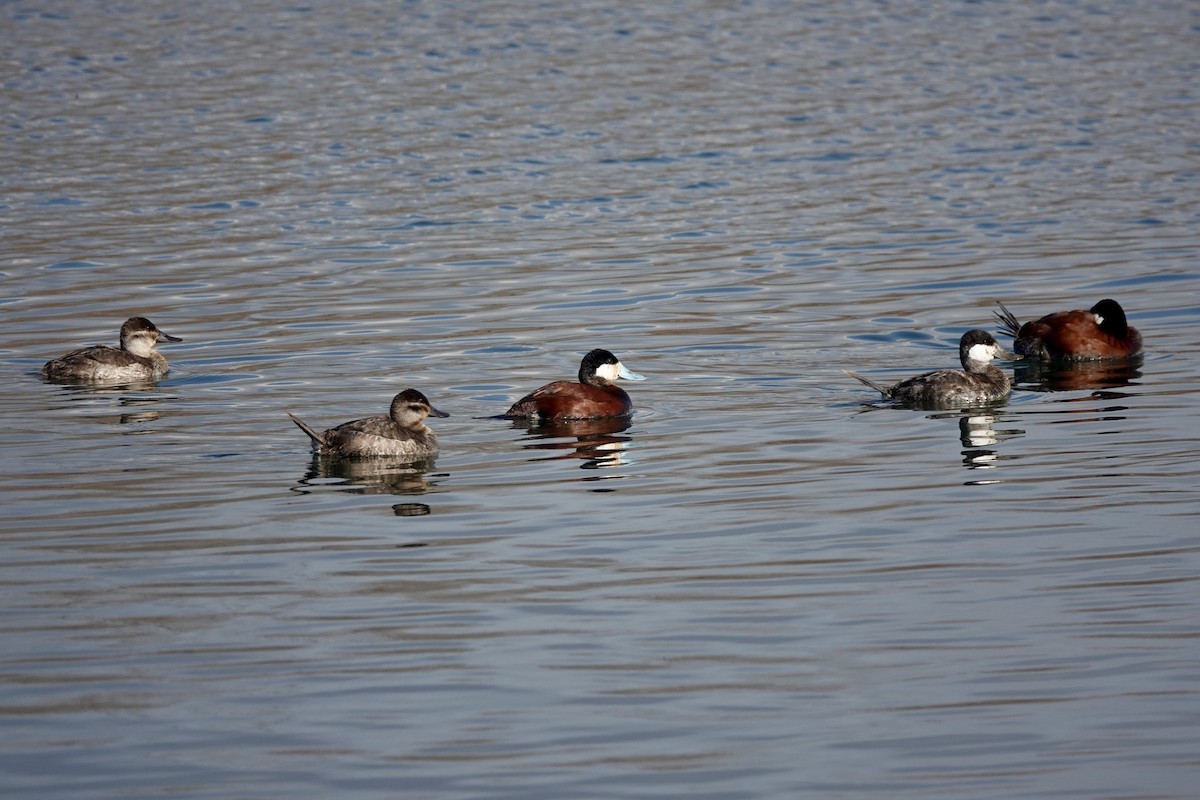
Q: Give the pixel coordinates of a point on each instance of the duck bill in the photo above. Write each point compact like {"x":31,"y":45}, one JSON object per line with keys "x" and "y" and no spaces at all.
{"x":166,"y":337}
{"x":433,"y":412}
{"x":622,"y":372}
{"x":1006,"y":355}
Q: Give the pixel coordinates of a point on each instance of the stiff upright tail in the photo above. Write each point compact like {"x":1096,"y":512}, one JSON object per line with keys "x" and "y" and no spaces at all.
{"x":1008,"y":321}
{"x":883,"y":390}
{"x":318,"y":439}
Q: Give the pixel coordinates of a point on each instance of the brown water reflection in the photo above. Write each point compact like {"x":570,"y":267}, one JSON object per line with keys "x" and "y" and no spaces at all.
{"x":1067,"y":376}
{"x":595,"y":441}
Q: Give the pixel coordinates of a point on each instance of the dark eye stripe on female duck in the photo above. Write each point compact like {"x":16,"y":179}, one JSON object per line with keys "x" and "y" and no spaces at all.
{"x":595,"y":395}
{"x":979,"y":381}
{"x":1101,"y":332}
{"x":399,"y":434}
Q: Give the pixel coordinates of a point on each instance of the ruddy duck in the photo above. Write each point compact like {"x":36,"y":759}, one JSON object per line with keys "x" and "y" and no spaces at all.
{"x":136,"y":360}
{"x":400,"y":433}
{"x":1101,"y":332}
{"x":980,"y":382}
{"x":596,"y":394}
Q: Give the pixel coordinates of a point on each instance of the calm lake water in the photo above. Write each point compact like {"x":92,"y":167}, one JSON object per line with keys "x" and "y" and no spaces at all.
{"x":766,"y":584}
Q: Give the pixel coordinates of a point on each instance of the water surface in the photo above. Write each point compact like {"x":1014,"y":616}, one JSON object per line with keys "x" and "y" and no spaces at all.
{"x":766,"y":584}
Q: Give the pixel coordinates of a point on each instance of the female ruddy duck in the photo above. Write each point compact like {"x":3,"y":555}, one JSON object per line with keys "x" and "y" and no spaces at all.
{"x":980,"y":382}
{"x":136,"y":360}
{"x":596,"y":394}
{"x":400,"y":433}
{"x":1099,"y":333}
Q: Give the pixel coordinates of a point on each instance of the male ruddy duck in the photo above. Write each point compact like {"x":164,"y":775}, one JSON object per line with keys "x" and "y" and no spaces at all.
{"x":596,"y":394}
{"x":136,"y":360}
{"x":980,"y":382}
{"x":400,"y":433}
{"x":1099,"y":333}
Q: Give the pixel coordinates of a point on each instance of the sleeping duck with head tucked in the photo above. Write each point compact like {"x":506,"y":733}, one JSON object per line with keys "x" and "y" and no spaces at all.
{"x":1098,"y":334}
{"x":595,"y":396}
{"x":400,"y":434}
{"x":134,"y":361}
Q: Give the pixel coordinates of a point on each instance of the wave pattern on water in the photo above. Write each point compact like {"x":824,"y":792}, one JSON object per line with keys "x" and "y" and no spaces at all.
{"x":766,"y":583}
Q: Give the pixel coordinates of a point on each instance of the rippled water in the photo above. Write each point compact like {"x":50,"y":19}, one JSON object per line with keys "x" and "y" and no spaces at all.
{"x":765,"y":585}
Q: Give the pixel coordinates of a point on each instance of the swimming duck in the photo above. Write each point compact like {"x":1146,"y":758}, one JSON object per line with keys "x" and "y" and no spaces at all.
{"x":1101,"y":332}
{"x":595,"y":395}
{"x":979,"y":382}
{"x":136,"y":359}
{"x":400,"y":433}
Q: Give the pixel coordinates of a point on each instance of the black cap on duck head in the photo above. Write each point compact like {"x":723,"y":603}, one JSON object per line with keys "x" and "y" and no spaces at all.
{"x":136,"y":325}
{"x":594,"y":360}
{"x":601,"y":367}
{"x":410,"y":401}
{"x":979,"y":345}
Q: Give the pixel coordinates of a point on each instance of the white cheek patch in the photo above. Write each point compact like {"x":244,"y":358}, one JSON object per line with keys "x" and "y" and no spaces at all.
{"x":608,"y":371}
{"x":981,"y":352}
{"x":143,"y":343}
{"x":1099,"y":320}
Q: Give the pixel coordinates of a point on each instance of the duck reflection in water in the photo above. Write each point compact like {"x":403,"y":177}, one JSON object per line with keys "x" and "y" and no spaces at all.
{"x":138,"y":402}
{"x":142,"y":408}
{"x":1067,"y":376}
{"x":595,"y":441}
{"x":979,"y":437}
{"x":373,"y":476}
